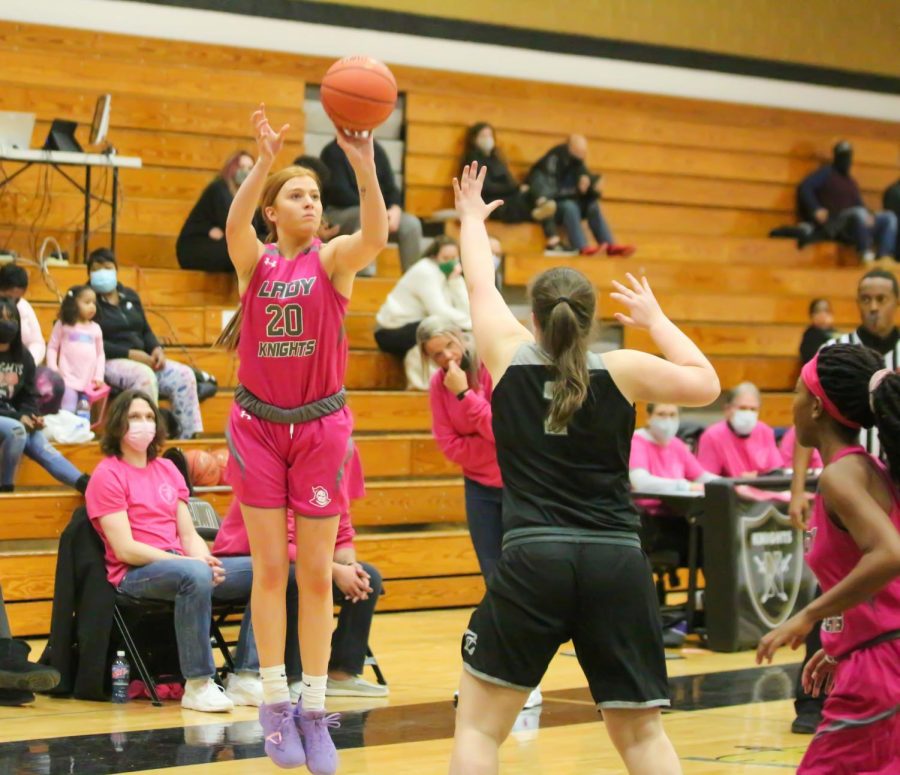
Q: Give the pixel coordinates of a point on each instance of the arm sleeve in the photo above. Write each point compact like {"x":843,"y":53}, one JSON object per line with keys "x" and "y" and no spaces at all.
{"x":708,"y":456}
{"x":428,"y":288}
{"x":808,"y":187}
{"x":478,"y":409}
{"x":468,"y":451}
{"x":100,"y":363}
{"x":386,"y":181}
{"x":32,"y":336}
{"x":150,"y":340}
{"x":692,"y":468}
{"x":105,"y":494}
{"x":643,"y":481}
{"x":113,"y":350}
{"x":53,"y":346}
{"x":342,"y":188}
{"x":28,"y":400}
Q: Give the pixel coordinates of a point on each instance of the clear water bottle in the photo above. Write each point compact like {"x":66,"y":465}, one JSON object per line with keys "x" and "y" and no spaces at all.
{"x":121,"y":677}
{"x":83,"y":407}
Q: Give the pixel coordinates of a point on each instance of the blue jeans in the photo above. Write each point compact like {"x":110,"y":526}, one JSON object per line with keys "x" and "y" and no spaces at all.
{"x":852,"y":224}
{"x":348,"y":642}
{"x":16,"y":440}
{"x":189,"y":584}
{"x":484,"y":515}
{"x":569,"y":213}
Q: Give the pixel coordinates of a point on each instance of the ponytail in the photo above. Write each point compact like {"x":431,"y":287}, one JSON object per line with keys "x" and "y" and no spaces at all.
{"x":231,"y":334}
{"x":886,"y":408}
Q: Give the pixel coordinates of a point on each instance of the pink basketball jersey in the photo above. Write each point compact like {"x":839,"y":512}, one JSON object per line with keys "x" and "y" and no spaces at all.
{"x":293,"y":347}
{"x":832,"y":554}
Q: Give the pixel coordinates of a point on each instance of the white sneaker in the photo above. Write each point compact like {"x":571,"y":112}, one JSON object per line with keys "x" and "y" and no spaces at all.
{"x":534,"y":699}
{"x":244,"y":689}
{"x":355,"y":687}
{"x":868,"y":257}
{"x":208,"y":697}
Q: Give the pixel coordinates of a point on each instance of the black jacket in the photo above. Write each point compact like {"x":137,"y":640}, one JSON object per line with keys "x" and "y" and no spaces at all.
{"x":555,"y":175}
{"x":125,"y":325}
{"x":81,"y":624}
{"x":211,"y":210}
{"x":18,"y":392}
{"x":342,"y":189}
{"x":498,"y":182}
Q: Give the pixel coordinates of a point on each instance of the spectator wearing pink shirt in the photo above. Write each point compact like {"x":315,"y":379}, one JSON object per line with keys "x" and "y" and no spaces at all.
{"x":460,"y":394}
{"x":739,"y":446}
{"x":75,"y":349}
{"x":137,"y":502}
{"x":356,"y":588}
{"x":786,"y":448}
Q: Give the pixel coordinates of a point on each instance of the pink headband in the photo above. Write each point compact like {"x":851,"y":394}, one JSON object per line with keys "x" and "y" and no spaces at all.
{"x":875,"y":382}
{"x":810,"y":376}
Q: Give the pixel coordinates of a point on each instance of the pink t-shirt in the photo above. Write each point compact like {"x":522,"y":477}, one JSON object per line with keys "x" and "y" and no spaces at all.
{"x":293,"y":347}
{"x":232,"y":539}
{"x":462,"y":429}
{"x":786,"y":448}
{"x":672,"y":461}
{"x":722,"y":452}
{"x":150,"y":496}
{"x":76,"y":352}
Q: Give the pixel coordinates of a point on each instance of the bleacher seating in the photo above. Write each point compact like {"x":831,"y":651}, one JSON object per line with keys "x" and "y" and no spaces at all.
{"x":696,"y":185}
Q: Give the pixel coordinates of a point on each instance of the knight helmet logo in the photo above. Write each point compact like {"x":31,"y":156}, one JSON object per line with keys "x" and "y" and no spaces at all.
{"x":772,"y":558}
{"x":320,"y":497}
{"x":470,"y":641}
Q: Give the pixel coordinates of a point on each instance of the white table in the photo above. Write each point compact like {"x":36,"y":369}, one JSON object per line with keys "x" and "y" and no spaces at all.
{"x":59,"y":159}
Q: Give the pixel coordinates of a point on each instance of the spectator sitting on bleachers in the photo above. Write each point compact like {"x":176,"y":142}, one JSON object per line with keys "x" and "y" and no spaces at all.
{"x":741,"y":445}
{"x":19,"y":678}
{"x":75,"y":350}
{"x":13,"y":285}
{"x":432,"y":286}
{"x":342,"y":194}
{"x":201,"y":242}
{"x":135,"y":359}
{"x":356,"y":588}
{"x":20,"y":422}
{"x":518,"y":204}
{"x":830,"y":199}
{"x":891,"y":203}
{"x":137,"y":502}
{"x":786,"y":448}
{"x":820,"y":330}
{"x":562,"y":175}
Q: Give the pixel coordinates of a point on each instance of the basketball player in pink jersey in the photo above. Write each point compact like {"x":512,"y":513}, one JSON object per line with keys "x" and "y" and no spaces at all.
{"x":289,"y":425}
{"x":853,"y":547}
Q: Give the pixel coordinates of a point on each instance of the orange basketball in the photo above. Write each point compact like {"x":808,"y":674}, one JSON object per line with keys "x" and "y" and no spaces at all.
{"x":358,"y":93}
{"x":202,"y":467}
{"x":221,"y":456}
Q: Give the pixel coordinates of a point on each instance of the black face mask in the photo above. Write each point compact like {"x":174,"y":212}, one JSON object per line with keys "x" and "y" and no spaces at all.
{"x":9,"y":329}
{"x":843,"y":158}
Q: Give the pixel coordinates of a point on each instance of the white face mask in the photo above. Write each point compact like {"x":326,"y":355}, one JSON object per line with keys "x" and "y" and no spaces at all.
{"x":485,"y":145}
{"x":744,"y":421}
{"x":663,"y":429}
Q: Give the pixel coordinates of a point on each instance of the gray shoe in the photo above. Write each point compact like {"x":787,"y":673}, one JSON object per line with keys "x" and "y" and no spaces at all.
{"x":355,"y":687}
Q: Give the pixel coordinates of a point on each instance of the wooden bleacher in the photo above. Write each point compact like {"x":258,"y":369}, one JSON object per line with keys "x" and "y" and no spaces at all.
{"x":696,"y":185}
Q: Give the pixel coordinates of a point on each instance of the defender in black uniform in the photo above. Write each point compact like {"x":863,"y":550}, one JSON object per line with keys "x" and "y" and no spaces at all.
{"x":572,"y":564}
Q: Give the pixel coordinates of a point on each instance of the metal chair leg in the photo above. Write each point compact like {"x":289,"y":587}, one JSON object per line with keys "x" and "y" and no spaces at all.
{"x":135,"y":657}
{"x":373,"y":663}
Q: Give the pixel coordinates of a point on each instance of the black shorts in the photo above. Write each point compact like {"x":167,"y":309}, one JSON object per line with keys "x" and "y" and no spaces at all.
{"x":600,"y":596}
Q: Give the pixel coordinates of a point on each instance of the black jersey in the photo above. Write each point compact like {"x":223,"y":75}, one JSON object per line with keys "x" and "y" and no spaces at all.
{"x":577,"y":479}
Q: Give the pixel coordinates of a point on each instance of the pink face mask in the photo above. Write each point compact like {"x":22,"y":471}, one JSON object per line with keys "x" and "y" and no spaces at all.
{"x":139,"y":434}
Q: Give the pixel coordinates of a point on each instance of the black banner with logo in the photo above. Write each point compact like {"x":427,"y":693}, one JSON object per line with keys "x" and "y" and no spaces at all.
{"x":756,"y":577}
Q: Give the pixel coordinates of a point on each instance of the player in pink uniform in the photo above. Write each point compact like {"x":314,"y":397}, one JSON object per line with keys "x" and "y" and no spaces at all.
{"x":289,"y":425}
{"x":853,"y":547}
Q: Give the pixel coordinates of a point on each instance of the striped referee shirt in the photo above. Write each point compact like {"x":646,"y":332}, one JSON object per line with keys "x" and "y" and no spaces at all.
{"x":868,"y":437}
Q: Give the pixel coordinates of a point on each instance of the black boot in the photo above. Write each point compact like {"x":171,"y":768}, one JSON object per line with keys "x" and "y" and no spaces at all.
{"x":16,"y":672}
{"x":82,"y":483}
{"x":15,"y":697}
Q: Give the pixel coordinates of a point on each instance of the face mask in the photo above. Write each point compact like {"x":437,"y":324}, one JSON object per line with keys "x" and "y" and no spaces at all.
{"x":8,"y":331}
{"x":663,"y":429}
{"x":240,"y":176}
{"x":744,"y":421}
{"x":447,"y":267}
{"x":139,"y":434}
{"x":485,"y":145}
{"x":104,"y":280}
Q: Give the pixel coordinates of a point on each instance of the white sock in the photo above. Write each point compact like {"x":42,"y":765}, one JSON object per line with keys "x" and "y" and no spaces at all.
{"x":314,"y":691}
{"x":296,"y":687}
{"x":196,"y":684}
{"x":274,"y":683}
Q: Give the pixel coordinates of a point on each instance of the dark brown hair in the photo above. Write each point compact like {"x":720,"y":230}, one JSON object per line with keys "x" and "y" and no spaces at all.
{"x":564,"y":303}
{"x":117,"y":424}
{"x":441,"y":241}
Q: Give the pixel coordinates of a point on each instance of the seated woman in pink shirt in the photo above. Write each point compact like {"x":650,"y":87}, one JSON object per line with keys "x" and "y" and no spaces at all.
{"x":739,"y":446}
{"x":75,"y":349}
{"x":786,"y":448}
{"x":356,"y":588}
{"x":137,"y":502}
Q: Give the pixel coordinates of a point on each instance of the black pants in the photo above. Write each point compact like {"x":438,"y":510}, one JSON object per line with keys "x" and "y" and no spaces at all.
{"x":806,"y":703}
{"x":207,"y":255}
{"x":516,"y":208}
{"x":397,"y":341}
{"x":484,"y":516}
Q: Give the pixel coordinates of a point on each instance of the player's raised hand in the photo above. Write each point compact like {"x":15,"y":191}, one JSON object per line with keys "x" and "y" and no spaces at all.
{"x":643,"y":308}
{"x":268,"y":142}
{"x":467,"y":193}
